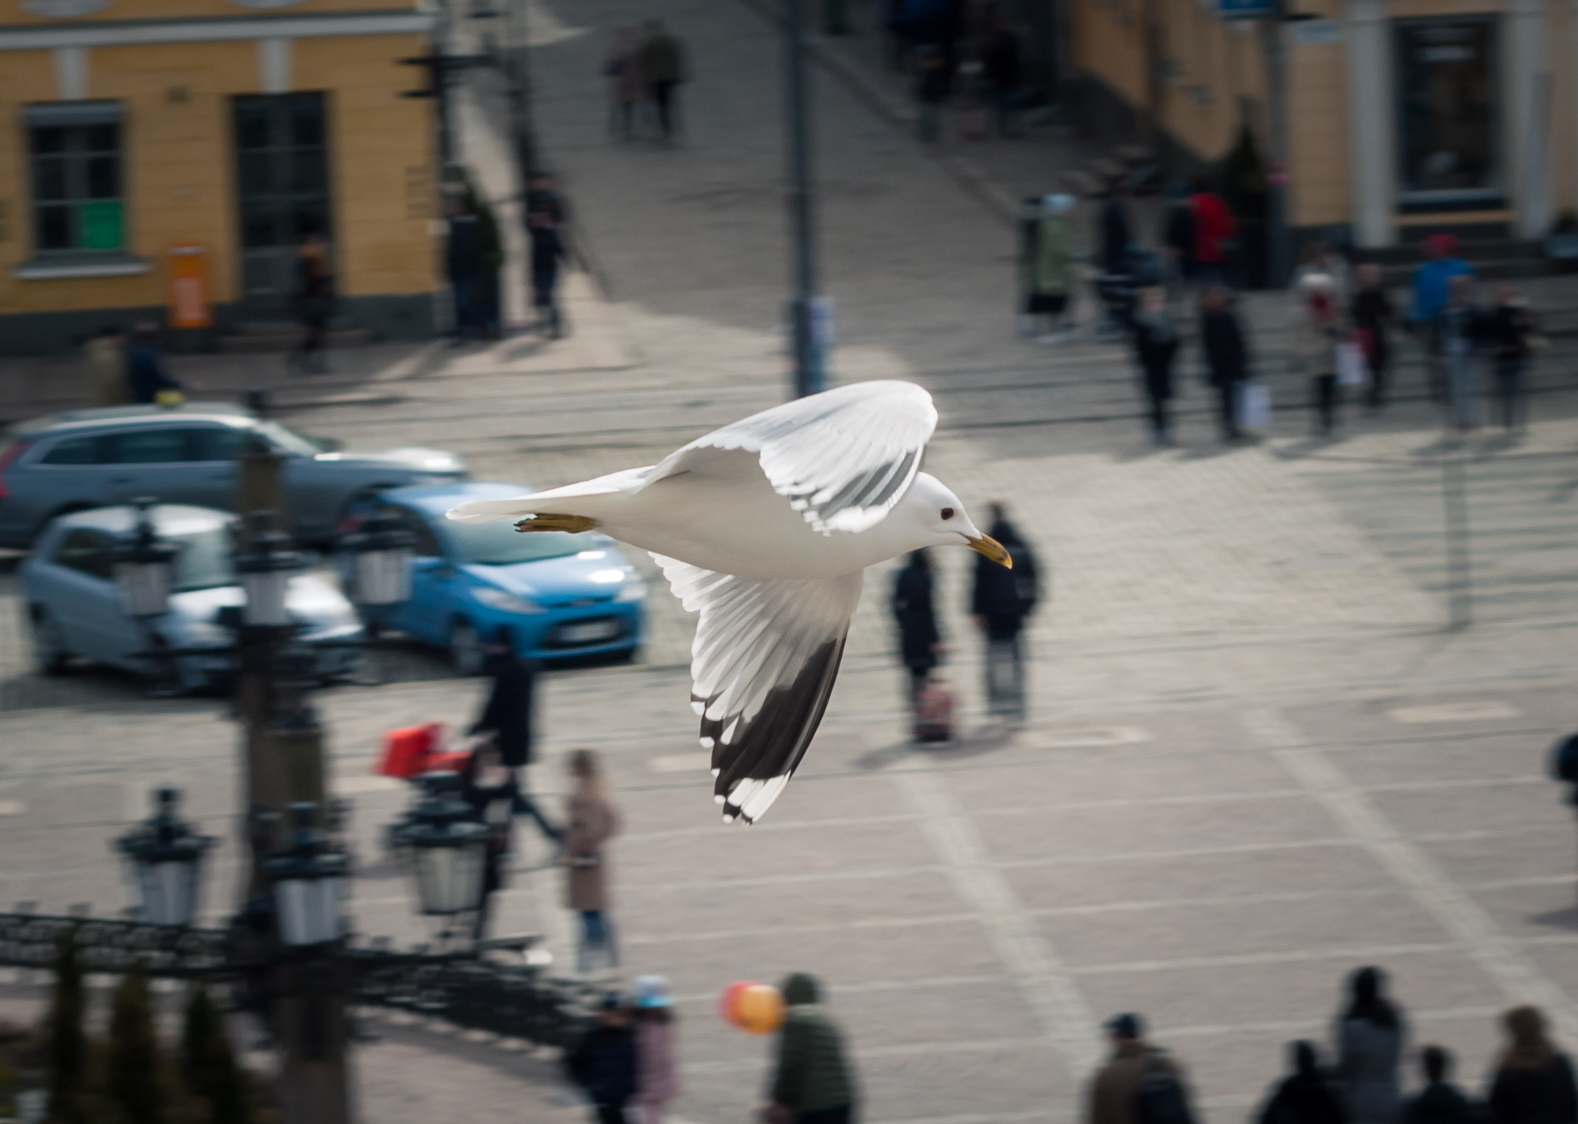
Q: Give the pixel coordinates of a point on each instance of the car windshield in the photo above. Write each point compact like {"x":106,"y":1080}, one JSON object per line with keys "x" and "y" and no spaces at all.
{"x":500,"y":544}
{"x":204,"y":561}
{"x":290,"y":441}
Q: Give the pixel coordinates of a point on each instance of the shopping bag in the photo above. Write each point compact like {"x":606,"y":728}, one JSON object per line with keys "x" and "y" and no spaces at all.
{"x":1254,"y":405}
{"x":1352,"y":370}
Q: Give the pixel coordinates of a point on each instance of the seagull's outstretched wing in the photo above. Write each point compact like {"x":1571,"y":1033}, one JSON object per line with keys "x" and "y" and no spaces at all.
{"x":843,"y":458}
{"x":762,"y":667}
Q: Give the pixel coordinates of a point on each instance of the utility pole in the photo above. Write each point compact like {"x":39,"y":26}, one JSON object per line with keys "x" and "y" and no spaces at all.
{"x":807,"y":333}
{"x":282,"y":743}
{"x":1279,"y":243}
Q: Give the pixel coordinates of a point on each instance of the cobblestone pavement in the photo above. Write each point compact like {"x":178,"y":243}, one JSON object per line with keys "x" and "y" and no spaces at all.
{"x":1255,"y":759}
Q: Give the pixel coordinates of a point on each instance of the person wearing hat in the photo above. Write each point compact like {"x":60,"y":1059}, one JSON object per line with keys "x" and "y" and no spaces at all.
{"x":1116,"y":1092}
{"x":604,"y":1062}
{"x":1317,"y":329}
{"x":812,"y":1082}
{"x":657,"y":1055}
{"x":1049,"y":271}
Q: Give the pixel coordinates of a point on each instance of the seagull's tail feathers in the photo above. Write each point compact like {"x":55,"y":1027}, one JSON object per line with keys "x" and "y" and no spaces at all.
{"x":568,"y":500}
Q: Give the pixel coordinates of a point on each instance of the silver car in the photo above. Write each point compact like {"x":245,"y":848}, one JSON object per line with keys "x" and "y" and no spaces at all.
{"x":189,"y":454}
{"x":74,"y":610}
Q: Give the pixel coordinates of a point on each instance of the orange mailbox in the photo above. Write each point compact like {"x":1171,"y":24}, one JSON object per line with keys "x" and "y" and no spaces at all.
{"x":190,"y":303}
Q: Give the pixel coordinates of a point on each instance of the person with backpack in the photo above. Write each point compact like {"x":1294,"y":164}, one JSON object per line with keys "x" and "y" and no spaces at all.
{"x":1306,"y":1096}
{"x":1370,"y":1036}
{"x":1140,"y":1084}
{"x":1001,"y":603}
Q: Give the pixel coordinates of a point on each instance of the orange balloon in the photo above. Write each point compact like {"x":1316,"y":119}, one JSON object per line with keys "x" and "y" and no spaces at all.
{"x":729,"y":1002}
{"x":760,"y":1008}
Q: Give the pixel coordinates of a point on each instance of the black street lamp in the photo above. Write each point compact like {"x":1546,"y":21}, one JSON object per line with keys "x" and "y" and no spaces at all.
{"x":447,"y":848}
{"x":164,"y":859}
{"x":266,"y":567}
{"x":144,"y":567}
{"x":309,"y":883}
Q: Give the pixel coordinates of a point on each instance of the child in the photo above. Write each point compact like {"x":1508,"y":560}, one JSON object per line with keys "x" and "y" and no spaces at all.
{"x":657,"y":1058}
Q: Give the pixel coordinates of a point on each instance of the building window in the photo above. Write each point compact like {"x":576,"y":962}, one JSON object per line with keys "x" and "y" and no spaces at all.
{"x":1447,"y":78}
{"x":75,"y":149}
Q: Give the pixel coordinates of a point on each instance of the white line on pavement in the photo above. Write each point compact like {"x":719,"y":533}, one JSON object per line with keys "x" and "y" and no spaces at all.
{"x":1458,"y":914}
{"x":1045,"y":983}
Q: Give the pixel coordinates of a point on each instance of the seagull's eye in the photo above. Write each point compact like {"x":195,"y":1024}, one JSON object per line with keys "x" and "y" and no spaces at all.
{"x":947,"y":513}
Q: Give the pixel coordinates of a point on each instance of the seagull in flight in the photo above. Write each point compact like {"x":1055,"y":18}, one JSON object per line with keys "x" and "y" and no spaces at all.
{"x":765,"y":527}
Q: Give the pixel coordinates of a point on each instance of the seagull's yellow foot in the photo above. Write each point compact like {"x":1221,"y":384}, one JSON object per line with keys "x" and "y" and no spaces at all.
{"x":572,"y":523}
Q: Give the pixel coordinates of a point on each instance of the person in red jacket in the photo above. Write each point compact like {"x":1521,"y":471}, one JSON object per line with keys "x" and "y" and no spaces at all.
{"x":1214,"y":228}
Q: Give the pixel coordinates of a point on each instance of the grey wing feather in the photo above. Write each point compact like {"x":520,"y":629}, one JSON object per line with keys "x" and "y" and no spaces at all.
{"x":842,"y":458}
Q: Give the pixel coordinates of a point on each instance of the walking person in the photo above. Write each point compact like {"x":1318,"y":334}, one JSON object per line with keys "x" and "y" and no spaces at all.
{"x":1317,"y":329}
{"x":1533,"y":1082}
{"x":1000,"y":604}
{"x":104,"y":365}
{"x":605,"y":1064}
{"x":489,"y":788}
{"x":1049,"y":271}
{"x":507,"y":715}
{"x":1137,"y":1067}
{"x":1372,"y":316}
{"x":1155,"y":338}
{"x":1458,"y":330}
{"x":1440,"y":1101}
{"x":813,"y":1081}
{"x":1370,"y":1037}
{"x":1306,"y":1096}
{"x":590,"y":822}
{"x":624,"y":83}
{"x":920,"y":642}
{"x":1226,"y":357}
{"x":547,"y":252}
{"x":1429,"y":289}
{"x":146,"y":375}
{"x":1505,"y":331}
{"x":657,"y":1050}
{"x":660,"y":61}
{"x":1215,"y":231}
{"x":1001,"y":69}
{"x":314,"y":304}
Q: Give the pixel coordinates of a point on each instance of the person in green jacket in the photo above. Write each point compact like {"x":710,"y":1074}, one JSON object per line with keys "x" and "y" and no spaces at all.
{"x":1049,"y":273}
{"x":813,"y":1082}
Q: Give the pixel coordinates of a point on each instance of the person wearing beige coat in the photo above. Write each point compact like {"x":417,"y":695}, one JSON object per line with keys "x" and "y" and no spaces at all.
{"x":1316,"y":328}
{"x":590,"y":821}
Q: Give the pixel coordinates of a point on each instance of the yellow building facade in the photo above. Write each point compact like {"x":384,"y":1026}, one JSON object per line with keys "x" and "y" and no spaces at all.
{"x":146,"y":140}
{"x":1402,"y":114}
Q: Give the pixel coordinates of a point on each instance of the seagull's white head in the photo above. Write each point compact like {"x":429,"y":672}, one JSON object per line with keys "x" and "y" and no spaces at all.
{"x":931,"y":515}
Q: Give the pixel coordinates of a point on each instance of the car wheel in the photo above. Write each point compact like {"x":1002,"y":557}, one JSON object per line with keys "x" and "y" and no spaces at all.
{"x":465,"y":649}
{"x":49,"y":648}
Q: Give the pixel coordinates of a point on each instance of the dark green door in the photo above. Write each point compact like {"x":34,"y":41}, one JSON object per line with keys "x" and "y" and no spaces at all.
{"x":282,"y":179}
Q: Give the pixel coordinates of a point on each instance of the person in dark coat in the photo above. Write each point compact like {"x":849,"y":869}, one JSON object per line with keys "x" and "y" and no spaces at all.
{"x":1222,"y":340}
{"x":1179,"y":236}
{"x":507,"y":715}
{"x":1370,"y":1038}
{"x":1155,"y":346}
{"x":1372,"y":316}
{"x":1000,"y":67}
{"x":1439,"y":1102}
{"x":1306,"y":1096}
{"x":1115,"y":232}
{"x":1000,"y":604}
{"x":490,"y":790}
{"x":146,"y":375}
{"x":1533,"y":1083}
{"x":547,"y":251}
{"x":913,"y":609}
{"x":604,"y":1063}
{"x":813,"y":1081}
{"x":1504,"y":331}
{"x":314,"y":303}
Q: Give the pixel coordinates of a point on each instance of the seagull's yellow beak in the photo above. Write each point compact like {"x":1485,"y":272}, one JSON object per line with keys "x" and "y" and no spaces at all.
{"x":993,"y":549}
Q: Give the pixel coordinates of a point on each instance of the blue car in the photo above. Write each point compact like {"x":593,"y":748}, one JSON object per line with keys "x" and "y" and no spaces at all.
{"x":561,"y":595}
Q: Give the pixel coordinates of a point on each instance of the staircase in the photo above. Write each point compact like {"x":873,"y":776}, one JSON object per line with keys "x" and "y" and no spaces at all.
{"x":1492,"y":258}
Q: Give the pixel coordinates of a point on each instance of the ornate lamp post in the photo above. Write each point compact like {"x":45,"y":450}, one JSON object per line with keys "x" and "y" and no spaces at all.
{"x":381,"y":560}
{"x":447,"y":849}
{"x":164,"y":859}
{"x":266,"y":567}
{"x":309,"y":883}
{"x":144,"y":567}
